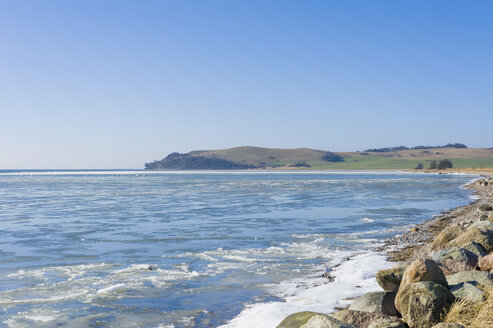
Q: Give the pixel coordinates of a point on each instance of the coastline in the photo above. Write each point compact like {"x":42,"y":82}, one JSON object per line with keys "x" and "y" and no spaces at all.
{"x":340,"y":289}
{"x":415,"y":244}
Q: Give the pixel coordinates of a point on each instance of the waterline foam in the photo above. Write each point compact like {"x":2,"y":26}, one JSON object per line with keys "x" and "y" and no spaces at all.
{"x":352,"y":278}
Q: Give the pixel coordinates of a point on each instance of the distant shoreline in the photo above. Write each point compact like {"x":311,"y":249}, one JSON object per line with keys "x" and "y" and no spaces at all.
{"x":247,"y":157}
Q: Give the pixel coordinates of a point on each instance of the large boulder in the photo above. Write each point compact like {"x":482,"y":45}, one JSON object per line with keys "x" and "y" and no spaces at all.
{"x":296,"y":320}
{"x":424,"y":304}
{"x":420,"y":270}
{"x":479,"y":235}
{"x":486,"y":263}
{"x":483,"y":217}
{"x":311,"y":320}
{"x":448,"y":325}
{"x":388,"y":323}
{"x":468,"y":291}
{"x":480,"y":225}
{"x":390,"y":279}
{"x":359,"y":319}
{"x":324,"y":321}
{"x":475,"y":248}
{"x":376,"y":302}
{"x":445,"y":236}
{"x":485,"y":208}
{"x":455,"y":259}
{"x":474,"y":277}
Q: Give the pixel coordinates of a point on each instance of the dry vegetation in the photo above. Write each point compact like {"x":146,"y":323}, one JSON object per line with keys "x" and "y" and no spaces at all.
{"x":473,"y":315}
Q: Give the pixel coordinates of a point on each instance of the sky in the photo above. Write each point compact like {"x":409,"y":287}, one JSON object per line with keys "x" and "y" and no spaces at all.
{"x":114,"y":84}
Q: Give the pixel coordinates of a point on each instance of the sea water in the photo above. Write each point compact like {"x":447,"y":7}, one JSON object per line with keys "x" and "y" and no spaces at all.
{"x":199,"y":249}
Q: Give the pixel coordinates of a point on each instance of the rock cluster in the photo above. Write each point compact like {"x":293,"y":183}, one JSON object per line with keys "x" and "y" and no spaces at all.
{"x":456,"y":265}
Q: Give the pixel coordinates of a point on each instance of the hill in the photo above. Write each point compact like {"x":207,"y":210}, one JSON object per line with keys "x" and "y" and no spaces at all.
{"x":270,"y":158}
{"x":244,"y":158}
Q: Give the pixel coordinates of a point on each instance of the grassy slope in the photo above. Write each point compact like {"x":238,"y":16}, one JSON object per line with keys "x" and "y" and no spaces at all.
{"x":257,"y":155}
{"x":405,"y":159}
{"x":367,"y":162}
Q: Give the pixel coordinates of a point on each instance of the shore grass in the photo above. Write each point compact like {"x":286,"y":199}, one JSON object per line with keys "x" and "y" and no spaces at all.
{"x":473,"y":315}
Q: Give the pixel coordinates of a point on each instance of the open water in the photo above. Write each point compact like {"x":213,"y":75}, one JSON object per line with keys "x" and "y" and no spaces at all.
{"x":199,"y":249}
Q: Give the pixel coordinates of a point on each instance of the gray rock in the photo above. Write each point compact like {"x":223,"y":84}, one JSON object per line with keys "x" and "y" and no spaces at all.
{"x":296,"y":320}
{"x":445,"y":236}
{"x":485,"y":207}
{"x":481,"y":225}
{"x":475,"y":248}
{"x":324,"y":321}
{"x":359,"y":319}
{"x":468,"y":291}
{"x":377,"y":302}
{"x":448,"y":325}
{"x":388,"y":323}
{"x":455,"y":253}
{"x":390,"y":279}
{"x":455,"y":259}
{"x":474,"y":277}
{"x":311,"y":320}
{"x":420,"y":270}
{"x":424,"y":304}
{"x":482,"y":236}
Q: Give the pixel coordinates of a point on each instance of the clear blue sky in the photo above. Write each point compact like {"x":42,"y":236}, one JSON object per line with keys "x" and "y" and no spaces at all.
{"x":114,"y":84}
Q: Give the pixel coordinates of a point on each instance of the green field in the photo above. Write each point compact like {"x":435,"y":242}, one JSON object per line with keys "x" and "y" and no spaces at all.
{"x":472,"y":162}
{"x":393,"y":163}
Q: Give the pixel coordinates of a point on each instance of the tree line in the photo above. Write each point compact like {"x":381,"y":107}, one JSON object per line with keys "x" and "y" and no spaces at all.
{"x":437,"y":165}
{"x":387,"y":149}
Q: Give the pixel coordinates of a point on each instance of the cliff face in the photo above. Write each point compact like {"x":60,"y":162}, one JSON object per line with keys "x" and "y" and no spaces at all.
{"x":177,"y":161}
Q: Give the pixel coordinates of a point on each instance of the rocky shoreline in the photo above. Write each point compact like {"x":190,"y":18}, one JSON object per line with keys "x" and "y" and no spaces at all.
{"x":443,"y":277}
